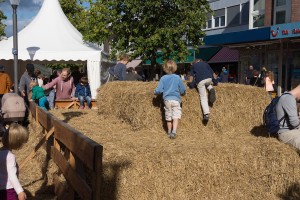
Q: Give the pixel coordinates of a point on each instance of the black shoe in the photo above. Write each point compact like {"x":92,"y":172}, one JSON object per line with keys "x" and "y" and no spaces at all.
{"x":212,"y":96}
{"x":205,"y":117}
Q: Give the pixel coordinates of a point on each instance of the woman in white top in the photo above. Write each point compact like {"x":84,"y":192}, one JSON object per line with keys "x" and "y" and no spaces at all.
{"x":269,"y":82}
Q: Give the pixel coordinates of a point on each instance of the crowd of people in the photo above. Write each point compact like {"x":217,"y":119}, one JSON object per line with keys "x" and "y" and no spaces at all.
{"x":34,"y":86}
{"x":264,"y":78}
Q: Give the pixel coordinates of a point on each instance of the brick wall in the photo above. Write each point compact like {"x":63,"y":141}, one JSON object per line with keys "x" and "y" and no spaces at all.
{"x":295,"y":15}
{"x":268,"y":13}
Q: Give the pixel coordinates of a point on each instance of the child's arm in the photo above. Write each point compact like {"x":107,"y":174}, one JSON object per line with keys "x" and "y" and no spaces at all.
{"x":181,"y":87}
{"x":160,"y":88}
{"x":12,"y":173}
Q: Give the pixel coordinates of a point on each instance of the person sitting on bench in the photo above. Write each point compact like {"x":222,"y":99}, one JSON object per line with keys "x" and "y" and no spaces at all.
{"x":83,"y":93}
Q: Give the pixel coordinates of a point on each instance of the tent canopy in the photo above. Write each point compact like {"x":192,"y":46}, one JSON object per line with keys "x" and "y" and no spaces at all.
{"x":51,"y":37}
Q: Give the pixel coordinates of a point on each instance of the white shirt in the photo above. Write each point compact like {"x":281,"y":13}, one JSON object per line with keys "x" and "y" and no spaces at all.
{"x":8,"y":172}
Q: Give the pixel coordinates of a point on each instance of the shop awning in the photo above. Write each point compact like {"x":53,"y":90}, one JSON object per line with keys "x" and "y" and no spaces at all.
{"x":253,"y":35}
{"x":207,"y":52}
{"x":225,"y":55}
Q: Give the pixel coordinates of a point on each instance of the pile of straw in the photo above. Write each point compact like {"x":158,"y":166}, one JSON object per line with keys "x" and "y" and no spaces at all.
{"x":232,"y":157}
{"x":238,"y":107}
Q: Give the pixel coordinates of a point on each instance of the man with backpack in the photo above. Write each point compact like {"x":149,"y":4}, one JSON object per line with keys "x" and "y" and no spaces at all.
{"x":287,"y":114}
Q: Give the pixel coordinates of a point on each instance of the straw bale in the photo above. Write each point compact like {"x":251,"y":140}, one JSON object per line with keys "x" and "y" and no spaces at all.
{"x":135,"y":103}
{"x":229,"y":158}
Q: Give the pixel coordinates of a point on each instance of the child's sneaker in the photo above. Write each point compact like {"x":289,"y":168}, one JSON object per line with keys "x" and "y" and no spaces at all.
{"x":172,"y":135}
{"x":212,"y":95}
{"x":86,"y":107}
{"x":81,"y":107}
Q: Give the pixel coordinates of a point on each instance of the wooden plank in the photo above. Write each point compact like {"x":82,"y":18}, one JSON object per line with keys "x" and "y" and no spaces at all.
{"x":32,"y":107}
{"x":69,"y":103}
{"x":36,"y":148}
{"x":96,"y":187}
{"x":80,"y":145}
{"x":80,"y":186}
{"x":45,"y":118}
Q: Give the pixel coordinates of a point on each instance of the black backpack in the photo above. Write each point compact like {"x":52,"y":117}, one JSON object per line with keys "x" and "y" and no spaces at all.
{"x":270,"y":117}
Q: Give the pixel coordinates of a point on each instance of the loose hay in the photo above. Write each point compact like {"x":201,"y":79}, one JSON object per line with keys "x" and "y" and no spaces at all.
{"x":227,"y":159}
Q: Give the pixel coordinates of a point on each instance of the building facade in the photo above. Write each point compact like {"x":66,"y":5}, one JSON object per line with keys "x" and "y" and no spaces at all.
{"x":265,"y":32}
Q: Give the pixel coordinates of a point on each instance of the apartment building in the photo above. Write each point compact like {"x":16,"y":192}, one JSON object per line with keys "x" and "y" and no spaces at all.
{"x":265,"y":33}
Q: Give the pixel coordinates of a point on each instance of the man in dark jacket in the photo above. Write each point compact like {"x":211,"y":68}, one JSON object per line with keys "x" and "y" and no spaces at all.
{"x":202,"y":74}
{"x":118,"y":72}
{"x":25,"y":80}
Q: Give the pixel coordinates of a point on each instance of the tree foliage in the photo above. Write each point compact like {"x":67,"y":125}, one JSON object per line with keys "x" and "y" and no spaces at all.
{"x":2,"y":17}
{"x":144,"y":27}
{"x":141,"y":27}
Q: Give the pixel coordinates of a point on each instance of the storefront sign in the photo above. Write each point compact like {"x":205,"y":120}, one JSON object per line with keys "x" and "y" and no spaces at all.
{"x":285,"y":30}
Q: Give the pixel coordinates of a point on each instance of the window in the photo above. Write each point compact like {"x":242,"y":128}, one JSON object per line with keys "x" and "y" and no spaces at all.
{"x":282,"y":11}
{"x":219,"y":18}
{"x":217,"y":21}
{"x":280,"y":17}
{"x":209,"y":23}
{"x":280,"y":2}
{"x":258,"y":20}
{"x":245,"y":13}
{"x":259,"y":4}
{"x":233,"y":15}
{"x":257,"y":13}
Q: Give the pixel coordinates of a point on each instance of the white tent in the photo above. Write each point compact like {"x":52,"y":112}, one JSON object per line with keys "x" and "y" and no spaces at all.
{"x":50,"y":37}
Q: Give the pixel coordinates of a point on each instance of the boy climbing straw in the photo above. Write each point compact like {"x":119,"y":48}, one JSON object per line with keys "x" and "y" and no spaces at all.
{"x":171,"y":86}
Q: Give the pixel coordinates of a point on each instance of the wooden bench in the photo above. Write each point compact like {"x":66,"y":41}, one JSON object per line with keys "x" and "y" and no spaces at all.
{"x":69,"y":103}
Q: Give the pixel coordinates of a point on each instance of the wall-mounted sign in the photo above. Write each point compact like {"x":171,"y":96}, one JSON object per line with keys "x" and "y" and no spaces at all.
{"x":285,"y":30}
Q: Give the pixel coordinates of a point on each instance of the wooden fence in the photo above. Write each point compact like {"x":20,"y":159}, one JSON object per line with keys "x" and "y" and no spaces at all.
{"x":78,"y":157}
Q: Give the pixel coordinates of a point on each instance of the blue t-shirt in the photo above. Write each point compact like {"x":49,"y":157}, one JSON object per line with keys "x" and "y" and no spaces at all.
{"x":171,"y":86}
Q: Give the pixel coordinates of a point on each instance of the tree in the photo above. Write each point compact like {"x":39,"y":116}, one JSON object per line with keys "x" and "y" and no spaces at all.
{"x":2,"y":26}
{"x":144,"y":27}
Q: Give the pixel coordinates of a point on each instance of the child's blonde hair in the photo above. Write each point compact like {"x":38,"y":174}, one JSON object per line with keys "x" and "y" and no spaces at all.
{"x":170,"y":67}
{"x":15,"y":137}
{"x":124,"y":57}
{"x":32,"y":84}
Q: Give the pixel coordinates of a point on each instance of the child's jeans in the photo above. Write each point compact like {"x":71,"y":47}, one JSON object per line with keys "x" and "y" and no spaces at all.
{"x":88,"y":100}
{"x":43,"y":102}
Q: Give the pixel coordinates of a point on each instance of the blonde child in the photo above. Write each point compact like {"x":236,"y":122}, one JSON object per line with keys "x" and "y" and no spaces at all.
{"x":171,"y":86}
{"x":10,"y":187}
{"x":38,"y":94}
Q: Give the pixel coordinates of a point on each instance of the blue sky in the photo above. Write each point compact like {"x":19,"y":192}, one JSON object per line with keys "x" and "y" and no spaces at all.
{"x":26,"y":11}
